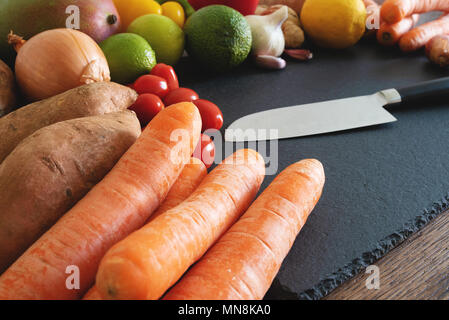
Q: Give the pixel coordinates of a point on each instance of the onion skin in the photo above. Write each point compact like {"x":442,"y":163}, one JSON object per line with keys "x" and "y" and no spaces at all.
{"x":58,"y":60}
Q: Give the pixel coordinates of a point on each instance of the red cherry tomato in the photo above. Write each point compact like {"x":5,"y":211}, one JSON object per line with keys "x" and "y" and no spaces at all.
{"x":168,"y":73}
{"x":210,"y":114}
{"x":151,"y":84}
{"x":147,"y":106}
{"x":205,"y":150}
{"x":180,"y":95}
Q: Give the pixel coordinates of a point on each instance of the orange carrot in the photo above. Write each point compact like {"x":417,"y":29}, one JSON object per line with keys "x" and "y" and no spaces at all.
{"x":244,"y":262}
{"x":393,"y":11}
{"x":437,"y":50}
{"x":389,"y":34}
{"x":191,"y":176}
{"x":418,"y":37}
{"x":146,"y":263}
{"x":115,"y":207}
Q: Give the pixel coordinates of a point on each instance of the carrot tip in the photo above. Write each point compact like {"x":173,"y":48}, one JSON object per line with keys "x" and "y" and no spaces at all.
{"x":112,"y":292}
{"x":386,"y":36}
{"x":443,"y":61}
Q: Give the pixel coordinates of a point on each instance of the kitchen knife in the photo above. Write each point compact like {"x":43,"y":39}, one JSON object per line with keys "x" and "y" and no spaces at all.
{"x":331,"y":116}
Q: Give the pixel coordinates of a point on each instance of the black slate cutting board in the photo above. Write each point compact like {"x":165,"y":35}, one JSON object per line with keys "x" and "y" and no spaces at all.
{"x":378,"y":178}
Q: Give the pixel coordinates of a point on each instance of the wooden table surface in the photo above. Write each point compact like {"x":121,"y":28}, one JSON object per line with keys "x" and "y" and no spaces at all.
{"x":416,"y":269}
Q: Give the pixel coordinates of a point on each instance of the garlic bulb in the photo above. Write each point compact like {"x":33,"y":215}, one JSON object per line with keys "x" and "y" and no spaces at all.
{"x":268,"y":38}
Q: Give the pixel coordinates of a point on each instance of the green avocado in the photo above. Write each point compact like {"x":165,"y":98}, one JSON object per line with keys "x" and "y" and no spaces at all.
{"x":218,"y":37}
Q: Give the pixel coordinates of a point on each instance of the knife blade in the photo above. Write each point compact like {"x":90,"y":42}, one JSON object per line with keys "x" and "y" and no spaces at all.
{"x":330,"y":116}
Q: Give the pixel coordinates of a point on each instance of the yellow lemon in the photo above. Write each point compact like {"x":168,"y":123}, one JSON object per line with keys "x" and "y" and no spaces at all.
{"x":336,"y":24}
{"x":129,"y":10}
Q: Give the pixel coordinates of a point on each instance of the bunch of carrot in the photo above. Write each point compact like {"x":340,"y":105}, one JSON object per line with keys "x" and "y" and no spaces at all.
{"x":241,"y":260}
{"x":244,"y":262}
{"x":157,"y":213}
{"x":115,"y":207}
{"x":399,"y":17}
{"x":191,"y":176}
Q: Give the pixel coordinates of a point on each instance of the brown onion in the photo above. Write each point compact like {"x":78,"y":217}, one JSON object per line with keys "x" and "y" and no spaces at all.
{"x":57,"y":60}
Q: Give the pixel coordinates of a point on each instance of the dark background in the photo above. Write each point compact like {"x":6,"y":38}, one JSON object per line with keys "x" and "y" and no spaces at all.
{"x":378,"y":178}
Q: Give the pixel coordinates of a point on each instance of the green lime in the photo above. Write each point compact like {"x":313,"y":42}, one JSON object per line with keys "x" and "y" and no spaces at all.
{"x":218,"y":37}
{"x":129,"y":56}
{"x":163,"y":34}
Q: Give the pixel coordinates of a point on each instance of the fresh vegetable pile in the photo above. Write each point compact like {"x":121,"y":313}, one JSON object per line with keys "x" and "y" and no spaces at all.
{"x":105,"y":167}
{"x":156,"y":175}
{"x":79,"y":141}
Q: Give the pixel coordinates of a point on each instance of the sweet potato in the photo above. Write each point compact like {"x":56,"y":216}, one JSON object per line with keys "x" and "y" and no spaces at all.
{"x":7,"y":89}
{"x":88,"y":100}
{"x":51,"y":170}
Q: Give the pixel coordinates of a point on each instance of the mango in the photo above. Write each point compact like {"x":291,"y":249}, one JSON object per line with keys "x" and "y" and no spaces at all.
{"x":26,"y":18}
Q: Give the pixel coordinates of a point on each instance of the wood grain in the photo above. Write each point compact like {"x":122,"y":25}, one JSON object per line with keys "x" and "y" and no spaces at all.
{"x":416,"y":269}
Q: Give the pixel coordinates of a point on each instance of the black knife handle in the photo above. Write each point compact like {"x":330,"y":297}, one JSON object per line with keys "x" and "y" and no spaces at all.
{"x":429,"y":90}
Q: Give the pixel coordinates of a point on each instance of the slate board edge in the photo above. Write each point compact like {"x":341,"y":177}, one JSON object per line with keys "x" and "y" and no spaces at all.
{"x":331,"y":282}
